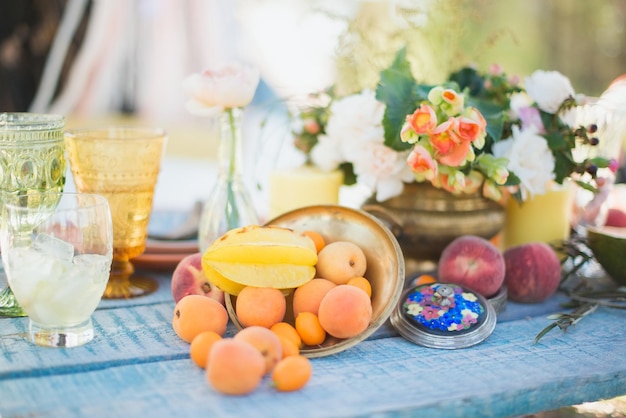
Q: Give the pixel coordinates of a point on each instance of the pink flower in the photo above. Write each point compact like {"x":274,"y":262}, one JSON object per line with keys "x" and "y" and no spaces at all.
{"x":495,"y":69}
{"x":311,"y":126}
{"x":423,"y":120}
{"x":227,"y":86}
{"x":422,"y":163}
{"x":530,"y":116}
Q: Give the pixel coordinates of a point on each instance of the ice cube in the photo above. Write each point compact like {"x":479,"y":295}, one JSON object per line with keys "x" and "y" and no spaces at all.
{"x":52,"y":246}
{"x":95,"y":266}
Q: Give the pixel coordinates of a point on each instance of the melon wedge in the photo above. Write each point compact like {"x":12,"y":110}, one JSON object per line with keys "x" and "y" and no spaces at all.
{"x":608,"y":245}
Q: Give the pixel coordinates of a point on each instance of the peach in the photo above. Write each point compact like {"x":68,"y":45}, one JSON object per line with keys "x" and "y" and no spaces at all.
{"x":234,"y":367}
{"x":194,"y":314}
{"x":189,"y":279}
{"x":345,"y":311}
{"x":263,"y":306}
{"x":533,"y":272}
{"x":339,"y":261}
{"x":264,"y":340}
{"x":307,"y":297}
{"x":473,"y":262}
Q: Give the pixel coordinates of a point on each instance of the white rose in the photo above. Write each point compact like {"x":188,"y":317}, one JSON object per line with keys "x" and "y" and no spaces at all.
{"x":530,"y":159}
{"x":227,"y":86}
{"x":549,"y":89}
{"x":382,"y":170}
{"x":356,"y":119}
{"x":326,"y":154}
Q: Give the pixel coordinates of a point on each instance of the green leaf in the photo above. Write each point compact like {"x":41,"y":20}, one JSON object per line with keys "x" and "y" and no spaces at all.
{"x":400,"y":93}
{"x":563,"y":166}
{"x":468,"y":78}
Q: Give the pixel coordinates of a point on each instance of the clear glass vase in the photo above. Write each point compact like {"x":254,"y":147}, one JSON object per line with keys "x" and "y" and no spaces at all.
{"x":32,"y":159}
{"x":229,"y":204}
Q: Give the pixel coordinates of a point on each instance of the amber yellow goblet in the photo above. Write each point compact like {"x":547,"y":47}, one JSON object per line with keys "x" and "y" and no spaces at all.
{"x":122,"y":164}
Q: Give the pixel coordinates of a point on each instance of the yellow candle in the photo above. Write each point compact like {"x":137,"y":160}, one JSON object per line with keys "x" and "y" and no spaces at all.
{"x":544,"y":218}
{"x":303,"y":186}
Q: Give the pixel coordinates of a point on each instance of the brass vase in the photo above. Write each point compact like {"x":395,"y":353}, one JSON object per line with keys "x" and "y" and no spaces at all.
{"x":425,"y":219}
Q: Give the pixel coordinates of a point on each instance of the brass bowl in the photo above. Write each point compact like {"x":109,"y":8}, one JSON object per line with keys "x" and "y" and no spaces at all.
{"x":385,"y":264}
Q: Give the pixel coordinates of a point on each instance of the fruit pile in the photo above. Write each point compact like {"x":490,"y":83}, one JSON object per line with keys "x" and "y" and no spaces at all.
{"x":292,"y":290}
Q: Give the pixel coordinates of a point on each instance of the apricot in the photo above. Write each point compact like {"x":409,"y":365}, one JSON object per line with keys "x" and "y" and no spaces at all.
{"x":309,"y":328}
{"x":194,"y":314}
{"x":345,"y":311}
{"x":234,"y":367}
{"x":317,"y":238}
{"x":307,"y":297}
{"x":263,"y":306}
{"x":339,"y":261}
{"x":286,"y":330}
{"x":201,"y":346}
{"x":292,"y":373}
{"x":362,"y":283}
{"x":289,"y":347}
{"x":265,"y":341}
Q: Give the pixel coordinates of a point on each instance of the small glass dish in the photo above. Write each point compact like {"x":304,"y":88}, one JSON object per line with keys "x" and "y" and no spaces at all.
{"x":443,"y":315}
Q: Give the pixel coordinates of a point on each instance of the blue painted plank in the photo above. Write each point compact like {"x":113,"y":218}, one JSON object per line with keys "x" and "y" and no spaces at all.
{"x":503,"y":376}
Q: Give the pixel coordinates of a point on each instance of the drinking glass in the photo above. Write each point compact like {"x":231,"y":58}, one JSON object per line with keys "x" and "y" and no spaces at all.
{"x":121,"y":163}
{"x":57,"y":250}
{"x":32,"y":158}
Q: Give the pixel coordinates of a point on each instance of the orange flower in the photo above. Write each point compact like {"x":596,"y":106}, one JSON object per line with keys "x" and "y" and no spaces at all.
{"x":467,"y":129}
{"x":422,"y":164}
{"x":450,"y":149}
{"x":423,"y":120}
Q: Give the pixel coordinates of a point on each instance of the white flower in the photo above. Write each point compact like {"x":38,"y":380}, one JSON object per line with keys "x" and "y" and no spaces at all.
{"x":530,"y":159}
{"x":519,"y":101}
{"x":354,"y":134}
{"x":381,"y":169}
{"x":549,"y":89}
{"x":354,"y":120}
{"x":227,"y":86}
{"x":326,"y":154}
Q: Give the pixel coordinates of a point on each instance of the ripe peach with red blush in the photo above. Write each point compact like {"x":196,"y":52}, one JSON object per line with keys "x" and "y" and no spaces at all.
{"x":473,"y":262}
{"x":189,"y":279}
{"x":533,"y":272}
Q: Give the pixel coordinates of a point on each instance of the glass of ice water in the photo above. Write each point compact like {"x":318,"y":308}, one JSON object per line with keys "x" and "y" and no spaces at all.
{"x":57,"y":250}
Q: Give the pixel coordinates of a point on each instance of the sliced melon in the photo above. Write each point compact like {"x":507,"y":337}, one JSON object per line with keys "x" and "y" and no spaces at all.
{"x":608,"y":245}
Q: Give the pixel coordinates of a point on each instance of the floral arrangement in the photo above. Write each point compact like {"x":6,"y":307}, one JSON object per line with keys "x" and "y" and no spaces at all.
{"x":474,"y":133}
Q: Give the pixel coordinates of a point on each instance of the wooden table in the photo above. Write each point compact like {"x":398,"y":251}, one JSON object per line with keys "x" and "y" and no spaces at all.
{"x":137,"y":367}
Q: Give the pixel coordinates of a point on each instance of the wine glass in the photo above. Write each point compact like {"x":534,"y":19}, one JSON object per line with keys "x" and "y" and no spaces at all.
{"x":57,"y":250}
{"x":32,"y":158}
{"x":121,"y":163}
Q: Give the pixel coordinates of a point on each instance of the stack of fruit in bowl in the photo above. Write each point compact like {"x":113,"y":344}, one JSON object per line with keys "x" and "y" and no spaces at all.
{"x":316,"y":281}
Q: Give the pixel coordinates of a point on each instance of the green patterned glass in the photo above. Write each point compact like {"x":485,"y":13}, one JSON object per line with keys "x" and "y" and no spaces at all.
{"x":32,"y":159}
